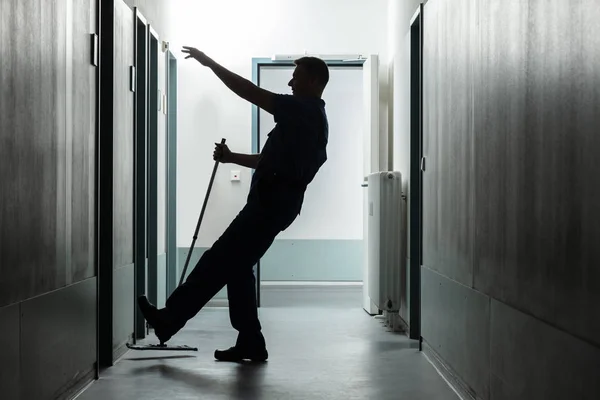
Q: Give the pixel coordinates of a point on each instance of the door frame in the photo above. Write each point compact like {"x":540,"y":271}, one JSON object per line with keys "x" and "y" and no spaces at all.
{"x":104,"y":176}
{"x":415,"y":201}
{"x":257,"y":63}
{"x":153,"y":42}
{"x":171,"y":87}
{"x":140,"y":167}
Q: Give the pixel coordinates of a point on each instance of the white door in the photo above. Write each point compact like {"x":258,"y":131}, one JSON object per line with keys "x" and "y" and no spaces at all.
{"x":371,"y":158}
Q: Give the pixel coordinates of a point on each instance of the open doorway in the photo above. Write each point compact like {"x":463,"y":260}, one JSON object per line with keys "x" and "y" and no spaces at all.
{"x":417,"y":166}
{"x":319,"y":259}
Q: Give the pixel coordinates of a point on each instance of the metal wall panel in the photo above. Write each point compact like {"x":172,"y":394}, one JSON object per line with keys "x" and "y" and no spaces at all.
{"x":531,"y":360}
{"x":58,"y":341}
{"x":123,"y":308}
{"x":511,"y":117}
{"x":32,"y":111}
{"x":123,"y":159}
{"x":123,"y":294}
{"x":10,"y":361}
{"x":83,"y":92}
{"x":537,"y":144}
{"x":455,"y":322}
{"x":47,"y":153}
{"x":448,"y":138}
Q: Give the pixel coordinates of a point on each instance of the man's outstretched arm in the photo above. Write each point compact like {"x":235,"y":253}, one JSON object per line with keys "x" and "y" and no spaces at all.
{"x":245,"y":160}
{"x":240,"y":86}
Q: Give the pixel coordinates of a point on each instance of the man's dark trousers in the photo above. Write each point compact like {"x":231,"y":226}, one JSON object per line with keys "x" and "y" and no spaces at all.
{"x":272,"y":206}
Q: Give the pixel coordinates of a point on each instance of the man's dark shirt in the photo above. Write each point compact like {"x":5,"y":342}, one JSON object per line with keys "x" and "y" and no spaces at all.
{"x":296,"y":148}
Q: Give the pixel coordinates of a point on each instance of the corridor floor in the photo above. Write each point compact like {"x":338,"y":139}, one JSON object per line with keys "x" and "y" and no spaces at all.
{"x":325,"y":350}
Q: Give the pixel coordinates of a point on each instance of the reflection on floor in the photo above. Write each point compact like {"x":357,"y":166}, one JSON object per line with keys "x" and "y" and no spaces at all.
{"x":322,"y":345}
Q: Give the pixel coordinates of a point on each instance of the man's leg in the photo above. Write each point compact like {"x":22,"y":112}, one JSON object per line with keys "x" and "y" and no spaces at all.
{"x":232,"y":255}
{"x":241,"y":292}
{"x":243,"y":312}
{"x":205,"y":280}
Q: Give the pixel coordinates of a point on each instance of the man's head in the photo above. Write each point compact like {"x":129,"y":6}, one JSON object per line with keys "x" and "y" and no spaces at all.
{"x":310,"y":77}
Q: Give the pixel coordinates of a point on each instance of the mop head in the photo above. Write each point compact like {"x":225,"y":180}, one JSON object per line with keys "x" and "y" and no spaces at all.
{"x":163,"y":347}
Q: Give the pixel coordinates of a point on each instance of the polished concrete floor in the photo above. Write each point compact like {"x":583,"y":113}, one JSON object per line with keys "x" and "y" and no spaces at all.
{"x":322,"y":345}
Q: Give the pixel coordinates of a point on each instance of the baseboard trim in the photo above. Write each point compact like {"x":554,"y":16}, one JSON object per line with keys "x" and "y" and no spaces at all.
{"x":85,"y":387}
{"x":447,"y":373}
{"x":76,"y":388}
{"x":121,"y":350}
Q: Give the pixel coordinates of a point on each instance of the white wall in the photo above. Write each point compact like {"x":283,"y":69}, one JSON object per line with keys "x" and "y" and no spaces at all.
{"x":400,"y":13}
{"x":233,"y":32}
{"x":333,"y":203}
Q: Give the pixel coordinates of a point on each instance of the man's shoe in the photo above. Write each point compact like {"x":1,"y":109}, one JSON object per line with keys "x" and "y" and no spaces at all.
{"x":237,"y":354}
{"x":163,"y":329}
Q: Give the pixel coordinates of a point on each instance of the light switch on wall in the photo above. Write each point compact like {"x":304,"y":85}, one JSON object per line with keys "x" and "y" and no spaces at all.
{"x":235,"y":176}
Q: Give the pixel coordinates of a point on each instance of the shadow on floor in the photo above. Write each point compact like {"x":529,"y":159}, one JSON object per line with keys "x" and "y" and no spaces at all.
{"x":247,"y":382}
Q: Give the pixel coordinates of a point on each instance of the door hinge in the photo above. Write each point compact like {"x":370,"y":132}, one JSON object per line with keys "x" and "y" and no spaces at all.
{"x":423,"y":164}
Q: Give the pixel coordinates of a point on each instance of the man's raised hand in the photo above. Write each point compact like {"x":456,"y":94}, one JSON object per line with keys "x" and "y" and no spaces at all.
{"x":196,"y":54}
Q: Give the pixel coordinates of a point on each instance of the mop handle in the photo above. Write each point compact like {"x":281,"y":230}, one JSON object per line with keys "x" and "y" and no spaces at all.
{"x":189,"y":255}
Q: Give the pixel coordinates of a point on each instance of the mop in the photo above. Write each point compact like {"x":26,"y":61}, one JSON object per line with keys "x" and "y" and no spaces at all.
{"x":164,"y":346}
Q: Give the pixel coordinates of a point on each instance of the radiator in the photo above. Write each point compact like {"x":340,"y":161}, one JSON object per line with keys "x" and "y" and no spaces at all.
{"x":384,"y":229}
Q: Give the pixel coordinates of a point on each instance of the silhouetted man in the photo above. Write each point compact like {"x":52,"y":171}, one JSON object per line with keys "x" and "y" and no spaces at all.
{"x":292,"y":155}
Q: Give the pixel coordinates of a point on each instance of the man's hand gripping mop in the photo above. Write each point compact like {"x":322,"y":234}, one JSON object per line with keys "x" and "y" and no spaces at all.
{"x":164,"y":346}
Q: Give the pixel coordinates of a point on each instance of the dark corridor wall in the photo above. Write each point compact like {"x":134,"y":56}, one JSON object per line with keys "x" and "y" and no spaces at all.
{"x":47,"y":177}
{"x":48,"y":121}
{"x":511,"y":269}
{"x":48,"y":276}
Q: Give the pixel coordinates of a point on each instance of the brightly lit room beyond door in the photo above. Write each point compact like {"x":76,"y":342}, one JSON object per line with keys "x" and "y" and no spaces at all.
{"x":318,"y":260}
